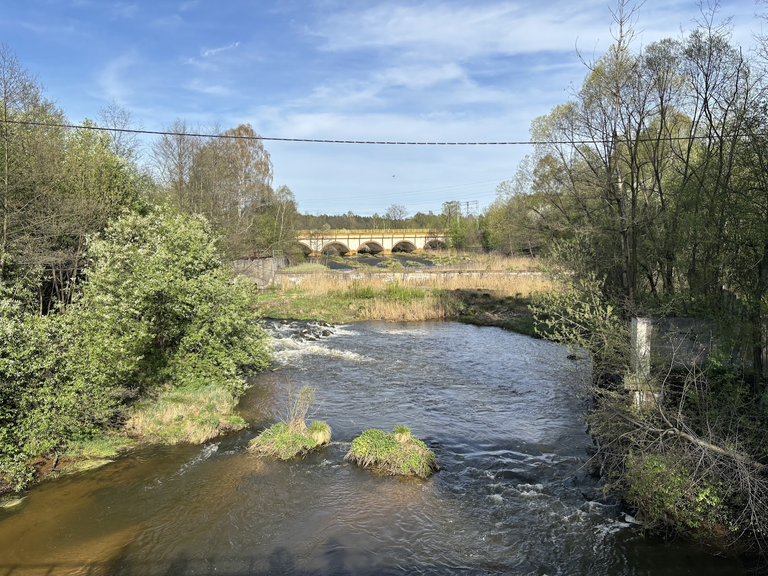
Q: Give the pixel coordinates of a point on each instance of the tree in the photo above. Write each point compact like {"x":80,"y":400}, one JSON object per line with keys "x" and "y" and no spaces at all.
{"x":118,"y":119}
{"x":173,"y":154}
{"x":396,"y":213}
{"x":29,"y":156}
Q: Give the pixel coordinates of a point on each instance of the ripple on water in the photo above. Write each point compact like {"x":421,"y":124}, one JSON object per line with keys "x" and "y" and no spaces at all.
{"x":498,"y":409}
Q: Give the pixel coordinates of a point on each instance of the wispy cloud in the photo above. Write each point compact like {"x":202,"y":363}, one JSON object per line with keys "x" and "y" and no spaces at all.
{"x":170,"y":22}
{"x":206,"y":88}
{"x":207,"y":53}
{"x":189,"y":5}
{"x":124,"y":10}
{"x":113,"y":77}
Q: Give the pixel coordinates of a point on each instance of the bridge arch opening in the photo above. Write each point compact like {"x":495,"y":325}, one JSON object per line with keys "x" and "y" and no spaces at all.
{"x":305,"y":249}
{"x":335,"y":249}
{"x":436,"y":245}
{"x":370,"y":247}
{"x":404,"y":246}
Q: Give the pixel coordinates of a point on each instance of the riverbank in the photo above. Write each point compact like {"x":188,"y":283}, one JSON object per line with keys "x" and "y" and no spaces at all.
{"x":480,"y":297}
{"x":173,"y":416}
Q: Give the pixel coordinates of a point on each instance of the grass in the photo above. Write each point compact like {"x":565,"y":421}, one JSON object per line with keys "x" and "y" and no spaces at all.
{"x":396,"y":452}
{"x":334,"y":297}
{"x":184,"y":415}
{"x":286,"y":440}
{"x":306,"y":267}
{"x":98,"y":448}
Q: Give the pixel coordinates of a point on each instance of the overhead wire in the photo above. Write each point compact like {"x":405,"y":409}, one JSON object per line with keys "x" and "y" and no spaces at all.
{"x":337,"y":141}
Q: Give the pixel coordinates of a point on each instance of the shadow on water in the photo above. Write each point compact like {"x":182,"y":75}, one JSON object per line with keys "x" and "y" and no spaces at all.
{"x":281,"y":561}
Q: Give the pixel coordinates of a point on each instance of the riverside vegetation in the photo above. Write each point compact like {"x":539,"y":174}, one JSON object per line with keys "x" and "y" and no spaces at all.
{"x":496,"y":299}
{"x":119,"y":320}
{"x":648,"y":188}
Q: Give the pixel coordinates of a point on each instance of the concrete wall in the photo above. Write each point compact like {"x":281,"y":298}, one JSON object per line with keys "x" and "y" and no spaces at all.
{"x":260,"y":270}
{"x":681,"y":341}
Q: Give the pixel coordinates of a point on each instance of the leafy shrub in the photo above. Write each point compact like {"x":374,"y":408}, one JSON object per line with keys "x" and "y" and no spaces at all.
{"x":666,"y":496}
{"x":158,"y":309}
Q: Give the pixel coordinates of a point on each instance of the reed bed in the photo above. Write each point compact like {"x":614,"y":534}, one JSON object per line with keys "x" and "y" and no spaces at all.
{"x":462,"y":286}
{"x":503,"y":285}
{"x":483,"y":261}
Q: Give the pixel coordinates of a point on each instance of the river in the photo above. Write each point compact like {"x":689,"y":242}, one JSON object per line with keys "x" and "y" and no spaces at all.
{"x":514,"y":494}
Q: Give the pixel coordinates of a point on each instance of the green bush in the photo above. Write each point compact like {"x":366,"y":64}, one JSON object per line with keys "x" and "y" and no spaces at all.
{"x":158,"y":308}
{"x":397,"y":452}
{"x":666,"y":496}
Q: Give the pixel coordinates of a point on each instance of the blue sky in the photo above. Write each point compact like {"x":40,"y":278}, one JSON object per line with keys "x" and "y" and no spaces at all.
{"x":464,"y":70}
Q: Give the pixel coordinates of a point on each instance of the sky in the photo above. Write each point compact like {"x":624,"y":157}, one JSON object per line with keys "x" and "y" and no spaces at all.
{"x":432,"y":70}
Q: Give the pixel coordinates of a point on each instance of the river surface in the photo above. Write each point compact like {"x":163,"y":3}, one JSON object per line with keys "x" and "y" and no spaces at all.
{"x":513,"y":496}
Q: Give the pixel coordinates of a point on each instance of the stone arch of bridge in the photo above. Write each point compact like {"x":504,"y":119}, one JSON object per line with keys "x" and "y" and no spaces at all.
{"x":435,"y":245}
{"x":404,"y":246}
{"x":370,"y":247}
{"x":335,"y":247}
{"x":306,"y":248}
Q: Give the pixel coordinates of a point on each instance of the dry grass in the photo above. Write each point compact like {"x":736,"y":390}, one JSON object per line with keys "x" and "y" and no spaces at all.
{"x":428,"y":308}
{"x":462,"y":282}
{"x":483,"y":261}
{"x":512,"y":284}
{"x":185,"y":416}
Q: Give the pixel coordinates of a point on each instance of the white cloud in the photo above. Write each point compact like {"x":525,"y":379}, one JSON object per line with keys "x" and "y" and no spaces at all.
{"x":420,"y":76}
{"x":206,"y":88}
{"x":207,"y":53}
{"x":112,"y":80}
{"x":448,"y":31}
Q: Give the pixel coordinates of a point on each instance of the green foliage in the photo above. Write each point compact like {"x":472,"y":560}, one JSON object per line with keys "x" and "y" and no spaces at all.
{"x":396,"y":452}
{"x":666,"y":495}
{"x":581,"y":317}
{"x":399,"y":293}
{"x":357,"y":290}
{"x":158,"y":308}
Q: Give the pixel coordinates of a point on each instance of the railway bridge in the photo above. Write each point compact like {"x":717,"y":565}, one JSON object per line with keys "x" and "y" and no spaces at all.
{"x":316,"y":242}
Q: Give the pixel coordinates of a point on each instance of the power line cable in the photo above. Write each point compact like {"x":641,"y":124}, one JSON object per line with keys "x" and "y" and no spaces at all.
{"x":329,"y":141}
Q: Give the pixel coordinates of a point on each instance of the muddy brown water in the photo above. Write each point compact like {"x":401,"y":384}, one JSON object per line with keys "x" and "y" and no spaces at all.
{"x":514,"y":495}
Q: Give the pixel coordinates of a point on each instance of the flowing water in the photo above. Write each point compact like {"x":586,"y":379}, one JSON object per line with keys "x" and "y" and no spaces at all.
{"x":513,"y":496}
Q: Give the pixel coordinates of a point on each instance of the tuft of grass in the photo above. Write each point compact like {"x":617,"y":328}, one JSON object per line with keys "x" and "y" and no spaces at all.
{"x":286,"y":440}
{"x":396,"y":452}
{"x":185,"y":415}
{"x":278,"y":441}
{"x":98,"y":447}
{"x":320,"y":432}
